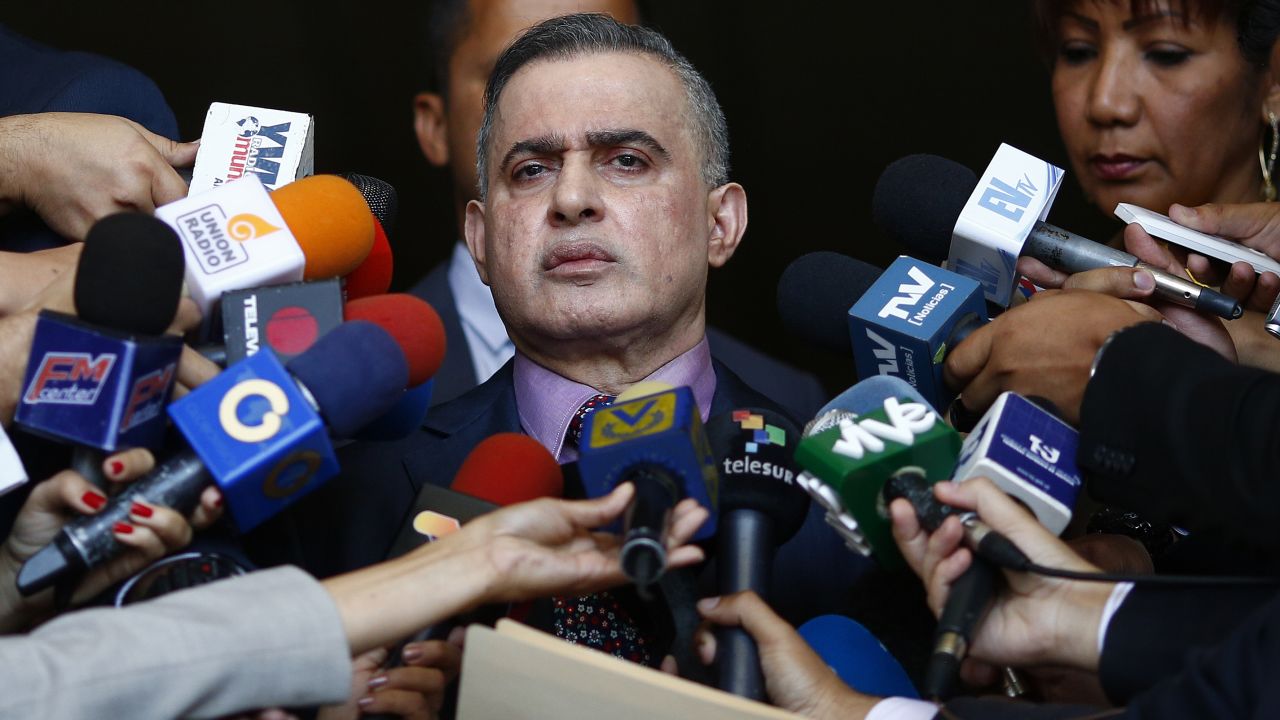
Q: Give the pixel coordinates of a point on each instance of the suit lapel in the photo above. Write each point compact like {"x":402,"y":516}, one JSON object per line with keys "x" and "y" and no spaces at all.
{"x":457,"y":373}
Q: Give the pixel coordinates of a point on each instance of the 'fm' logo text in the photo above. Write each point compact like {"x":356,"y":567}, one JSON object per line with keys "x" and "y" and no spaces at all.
{"x":1006,"y":200}
{"x":146,"y":400}
{"x":69,"y":378}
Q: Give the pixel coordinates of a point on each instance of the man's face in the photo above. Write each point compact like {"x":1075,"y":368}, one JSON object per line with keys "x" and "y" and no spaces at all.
{"x":492,"y":25}
{"x":598,"y":226}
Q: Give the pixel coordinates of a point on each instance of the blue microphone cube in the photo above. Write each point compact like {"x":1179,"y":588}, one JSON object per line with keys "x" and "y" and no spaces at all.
{"x":663,"y":429}
{"x":92,"y":386}
{"x":902,"y":324}
{"x":1030,"y":454}
{"x":258,"y":436}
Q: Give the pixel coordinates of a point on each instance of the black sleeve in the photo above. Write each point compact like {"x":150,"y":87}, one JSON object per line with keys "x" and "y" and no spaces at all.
{"x":1231,"y":680}
{"x":1157,"y":628}
{"x":1172,"y":430}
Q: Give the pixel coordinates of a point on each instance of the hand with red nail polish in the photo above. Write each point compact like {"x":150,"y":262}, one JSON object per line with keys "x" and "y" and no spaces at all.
{"x":150,"y":532}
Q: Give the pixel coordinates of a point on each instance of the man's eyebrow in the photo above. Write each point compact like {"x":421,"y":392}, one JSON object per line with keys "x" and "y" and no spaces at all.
{"x":542,"y":145}
{"x":613,"y":138}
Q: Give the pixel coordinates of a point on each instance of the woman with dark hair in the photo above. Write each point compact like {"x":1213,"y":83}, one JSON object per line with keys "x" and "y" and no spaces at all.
{"x":1163,"y":103}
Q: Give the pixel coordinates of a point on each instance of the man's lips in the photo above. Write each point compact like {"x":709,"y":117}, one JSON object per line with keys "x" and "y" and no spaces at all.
{"x":1117,"y":166}
{"x":572,"y":254}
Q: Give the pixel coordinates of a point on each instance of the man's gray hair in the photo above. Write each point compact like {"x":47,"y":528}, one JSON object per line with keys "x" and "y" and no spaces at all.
{"x":571,"y":36}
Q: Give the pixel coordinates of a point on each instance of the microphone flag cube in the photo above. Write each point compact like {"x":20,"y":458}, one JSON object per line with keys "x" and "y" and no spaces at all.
{"x":846,"y":467}
{"x":276,"y":146}
{"x":258,"y":436}
{"x":663,"y":429}
{"x":1030,"y":454}
{"x":96,"y":387}
{"x":902,"y":325}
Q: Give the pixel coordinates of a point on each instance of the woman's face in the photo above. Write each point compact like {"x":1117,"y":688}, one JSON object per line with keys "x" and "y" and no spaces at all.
{"x":1156,"y":110}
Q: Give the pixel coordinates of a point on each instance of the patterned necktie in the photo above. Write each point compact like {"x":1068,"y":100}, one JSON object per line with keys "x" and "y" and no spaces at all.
{"x":597,"y":621}
{"x":574,"y":435}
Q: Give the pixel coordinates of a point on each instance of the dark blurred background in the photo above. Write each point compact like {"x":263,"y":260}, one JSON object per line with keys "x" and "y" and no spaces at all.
{"x":820,"y":97}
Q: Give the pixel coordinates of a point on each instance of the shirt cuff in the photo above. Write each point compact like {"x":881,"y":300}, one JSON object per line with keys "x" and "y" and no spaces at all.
{"x":899,"y":708}
{"x":1114,"y":602}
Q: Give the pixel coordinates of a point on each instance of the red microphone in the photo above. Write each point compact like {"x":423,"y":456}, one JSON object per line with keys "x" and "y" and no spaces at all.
{"x":412,"y":322}
{"x":509,"y":468}
{"x":373,"y":276}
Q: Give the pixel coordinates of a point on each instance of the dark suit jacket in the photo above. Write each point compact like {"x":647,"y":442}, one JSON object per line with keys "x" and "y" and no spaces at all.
{"x":1175,"y":432}
{"x":1231,"y":678}
{"x":797,"y":391}
{"x":355,"y":518}
{"x":35,"y":78}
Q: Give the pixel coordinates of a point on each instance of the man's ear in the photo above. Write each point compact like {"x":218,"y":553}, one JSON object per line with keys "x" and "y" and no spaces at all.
{"x":473,"y":232}
{"x":429,"y":126}
{"x":727,"y":217}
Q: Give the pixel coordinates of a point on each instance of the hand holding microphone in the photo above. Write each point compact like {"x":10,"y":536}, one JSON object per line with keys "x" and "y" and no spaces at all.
{"x":1035,"y":619}
{"x":149,"y":532}
{"x":1045,"y":347}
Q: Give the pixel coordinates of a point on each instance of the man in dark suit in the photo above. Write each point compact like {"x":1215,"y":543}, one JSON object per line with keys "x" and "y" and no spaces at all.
{"x":466,"y":39}
{"x":605,"y":203}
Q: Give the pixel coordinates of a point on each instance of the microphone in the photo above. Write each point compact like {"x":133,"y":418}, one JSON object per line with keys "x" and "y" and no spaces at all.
{"x":373,"y":276}
{"x":902,"y":324}
{"x":857,"y":656}
{"x":847,"y":463}
{"x":761,"y":507}
{"x":286,"y":319}
{"x":920,"y":200}
{"x":420,"y":333}
{"x":970,"y":593}
{"x":1030,"y":454}
{"x":100,"y":381}
{"x":658,"y":443}
{"x":815,"y":292}
{"x":503,"y":469}
{"x":238,"y":236}
{"x":276,"y":146}
{"x":258,"y":431}
{"x":509,"y":468}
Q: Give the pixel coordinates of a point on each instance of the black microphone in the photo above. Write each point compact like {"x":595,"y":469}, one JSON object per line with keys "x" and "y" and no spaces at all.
{"x":919,"y":198}
{"x":761,"y":507}
{"x":815,"y":293}
{"x":100,"y":380}
{"x":969,"y":595}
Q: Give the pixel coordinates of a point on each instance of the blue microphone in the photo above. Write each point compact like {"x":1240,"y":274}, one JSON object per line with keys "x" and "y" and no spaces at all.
{"x":857,"y":657}
{"x":258,"y":431}
{"x":1028,"y":452}
{"x":658,"y":443}
{"x":900,"y":322}
{"x":100,"y":380}
{"x":907,"y":321}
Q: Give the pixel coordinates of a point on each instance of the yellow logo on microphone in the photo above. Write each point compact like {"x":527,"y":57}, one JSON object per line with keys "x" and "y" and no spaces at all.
{"x":247,"y":226}
{"x":271,"y":421}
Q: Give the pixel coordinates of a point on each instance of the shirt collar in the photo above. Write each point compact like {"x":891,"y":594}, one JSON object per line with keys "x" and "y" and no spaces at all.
{"x":546,"y":402}
{"x":474,"y":300}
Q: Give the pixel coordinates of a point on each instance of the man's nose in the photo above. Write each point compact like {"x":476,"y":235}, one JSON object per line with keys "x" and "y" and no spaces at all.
{"x":576,"y":196}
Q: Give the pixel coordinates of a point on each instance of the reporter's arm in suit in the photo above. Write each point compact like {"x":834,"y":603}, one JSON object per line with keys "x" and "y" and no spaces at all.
{"x":273,"y":638}
{"x":1172,"y":430}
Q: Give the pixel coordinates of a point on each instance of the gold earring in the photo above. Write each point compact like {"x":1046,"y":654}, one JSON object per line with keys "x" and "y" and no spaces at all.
{"x":1268,"y":160}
